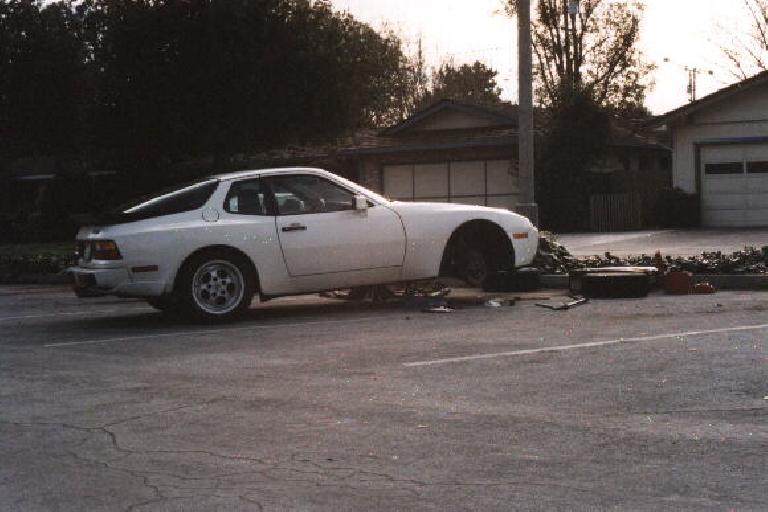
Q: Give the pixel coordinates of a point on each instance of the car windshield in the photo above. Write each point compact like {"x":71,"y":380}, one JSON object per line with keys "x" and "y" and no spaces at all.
{"x":367,"y":192}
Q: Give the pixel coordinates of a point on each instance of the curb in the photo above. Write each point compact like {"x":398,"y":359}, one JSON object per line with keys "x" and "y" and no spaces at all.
{"x":734,"y":282}
{"x":548,"y":281}
{"x":554,"y":281}
{"x":719,"y":281}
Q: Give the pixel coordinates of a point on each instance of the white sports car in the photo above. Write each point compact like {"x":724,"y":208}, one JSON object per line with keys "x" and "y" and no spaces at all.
{"x":207,"y":249}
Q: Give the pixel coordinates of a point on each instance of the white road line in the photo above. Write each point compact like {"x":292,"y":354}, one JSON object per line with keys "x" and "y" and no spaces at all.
{"x":9,"y":293}
{"x":73,"y":313}
{"x":561,"y":348}
{"x":206,"y":332}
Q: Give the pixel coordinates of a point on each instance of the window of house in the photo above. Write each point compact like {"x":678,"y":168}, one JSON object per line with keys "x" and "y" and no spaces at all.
{"x":757,"y":167}
{"x":724,"y":168}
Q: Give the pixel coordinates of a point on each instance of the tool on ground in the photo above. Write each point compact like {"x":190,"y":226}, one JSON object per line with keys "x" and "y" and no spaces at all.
{"x":577,"y":301}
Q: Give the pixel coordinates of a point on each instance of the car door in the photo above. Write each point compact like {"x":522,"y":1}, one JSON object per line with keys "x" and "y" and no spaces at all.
{"x":321,"y":232}
{"x":248,"y":223}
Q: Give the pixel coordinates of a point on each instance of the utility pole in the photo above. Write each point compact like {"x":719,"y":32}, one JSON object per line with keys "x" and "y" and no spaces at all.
{"x":693,"y":75}
{"x":527,"y":205}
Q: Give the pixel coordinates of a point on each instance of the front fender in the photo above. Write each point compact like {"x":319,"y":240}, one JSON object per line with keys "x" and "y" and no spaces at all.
{"x":429,"y":226}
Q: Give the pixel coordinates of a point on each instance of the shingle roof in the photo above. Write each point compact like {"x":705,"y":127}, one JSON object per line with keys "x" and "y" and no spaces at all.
{"x":503,"y":113}
{"x":399,"y":139}
{"x":710,"y":99}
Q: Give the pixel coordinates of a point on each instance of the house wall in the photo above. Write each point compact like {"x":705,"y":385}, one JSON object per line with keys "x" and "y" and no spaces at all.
{"x":370,"y":167}
{"x":740,"y":116}
{"x":369,"y":174}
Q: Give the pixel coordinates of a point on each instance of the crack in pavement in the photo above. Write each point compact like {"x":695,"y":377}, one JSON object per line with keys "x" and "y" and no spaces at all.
{"x":349,"y":477}
{"x":144,"y":475}
{"x":258,"y":504}
{"x":165,"y":411}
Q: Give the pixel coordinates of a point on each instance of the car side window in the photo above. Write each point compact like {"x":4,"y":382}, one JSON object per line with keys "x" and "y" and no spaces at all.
{"x":179,"y":201}
{"x":305,"y":193}
{"x":246,"y":197}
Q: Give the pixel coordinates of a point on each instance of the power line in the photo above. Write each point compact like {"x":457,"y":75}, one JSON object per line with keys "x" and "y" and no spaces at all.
{"x":693,"y":74}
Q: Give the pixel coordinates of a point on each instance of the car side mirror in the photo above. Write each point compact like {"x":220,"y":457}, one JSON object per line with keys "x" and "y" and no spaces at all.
{"x":361,"y":203}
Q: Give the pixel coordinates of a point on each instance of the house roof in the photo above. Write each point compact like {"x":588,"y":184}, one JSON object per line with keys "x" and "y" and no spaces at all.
{"x":711,"y":99}
{"x":367,"y":143}
{"x":628,"y":137}
{"x":504,"y":114}
{"x":502,"y":132}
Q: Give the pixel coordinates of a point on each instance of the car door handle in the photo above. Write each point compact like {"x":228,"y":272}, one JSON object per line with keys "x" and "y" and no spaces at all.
{"x":294,"y":227}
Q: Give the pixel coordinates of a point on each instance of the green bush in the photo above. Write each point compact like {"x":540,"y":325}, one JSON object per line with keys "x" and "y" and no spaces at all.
{"x":19,"y":261}
{"x":679,"y":209}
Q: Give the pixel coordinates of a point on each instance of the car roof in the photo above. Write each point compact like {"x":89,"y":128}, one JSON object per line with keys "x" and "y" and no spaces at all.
{"x":303,"y":170}
{"x":275,"y":170}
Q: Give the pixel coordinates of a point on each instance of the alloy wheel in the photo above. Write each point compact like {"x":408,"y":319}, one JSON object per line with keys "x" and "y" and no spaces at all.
{"x":218,"y":287}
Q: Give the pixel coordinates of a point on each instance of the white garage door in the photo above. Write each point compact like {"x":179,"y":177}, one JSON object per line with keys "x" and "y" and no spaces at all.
{"x":482,"y":182}
{"x":735,"y":186}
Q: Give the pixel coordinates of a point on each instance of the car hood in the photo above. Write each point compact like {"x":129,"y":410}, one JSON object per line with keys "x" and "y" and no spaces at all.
{"x":408,"y":207}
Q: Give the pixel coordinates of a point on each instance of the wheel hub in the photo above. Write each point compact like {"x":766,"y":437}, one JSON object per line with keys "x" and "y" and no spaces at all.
{"x":218,"y":287}
{"x":475,"y":269}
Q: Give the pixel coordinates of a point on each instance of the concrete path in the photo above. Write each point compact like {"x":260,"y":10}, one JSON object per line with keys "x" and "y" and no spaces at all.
{"x":677,"y":242}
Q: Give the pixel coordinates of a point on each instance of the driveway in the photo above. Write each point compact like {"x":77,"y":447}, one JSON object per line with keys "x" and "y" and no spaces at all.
{"x":316,"y":404}
{"x":672,"y":242}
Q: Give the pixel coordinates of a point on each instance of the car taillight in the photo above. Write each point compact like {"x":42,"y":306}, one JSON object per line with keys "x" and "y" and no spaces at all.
{"x":105,"y":250}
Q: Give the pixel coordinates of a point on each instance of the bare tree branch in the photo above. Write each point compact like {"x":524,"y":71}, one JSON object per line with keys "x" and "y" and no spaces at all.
{"x":596,"y":49}
{"x":749,"y":56}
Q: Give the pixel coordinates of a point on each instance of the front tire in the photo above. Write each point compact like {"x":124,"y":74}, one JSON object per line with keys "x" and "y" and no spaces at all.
{"x":214,"y":286}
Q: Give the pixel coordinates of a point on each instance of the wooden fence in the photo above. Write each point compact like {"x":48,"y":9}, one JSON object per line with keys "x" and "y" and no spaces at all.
{"x":615,"y":212}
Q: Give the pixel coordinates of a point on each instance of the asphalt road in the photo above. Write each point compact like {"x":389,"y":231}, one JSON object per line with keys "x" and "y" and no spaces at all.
{"x":318,"y":405}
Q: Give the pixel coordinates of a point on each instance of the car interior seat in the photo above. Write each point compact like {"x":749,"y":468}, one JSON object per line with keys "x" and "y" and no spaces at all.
{"x":249,"y":202}
{"x":290,"y":206}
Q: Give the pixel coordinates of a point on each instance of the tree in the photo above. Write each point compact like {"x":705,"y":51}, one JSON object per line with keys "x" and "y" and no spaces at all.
{"x":593,"y":51}
{"x":44,"y":85}
{"x":149,"y":82}
{"x":408,"y":86}
{"x":576,"y":134}
{"x":588,"y":68}
{"x":474,"y":83}
{"x":747,"y":53}
{"x":215,"y":77}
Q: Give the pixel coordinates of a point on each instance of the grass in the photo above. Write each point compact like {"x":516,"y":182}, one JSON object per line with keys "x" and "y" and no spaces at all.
{"x":32,"y":249}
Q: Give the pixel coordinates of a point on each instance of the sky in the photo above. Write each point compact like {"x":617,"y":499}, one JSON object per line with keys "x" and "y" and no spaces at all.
{"x":687,"y":32}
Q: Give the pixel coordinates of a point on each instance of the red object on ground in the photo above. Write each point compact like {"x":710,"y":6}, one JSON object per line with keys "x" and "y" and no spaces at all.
{"x":677,"y":283}
{"x":703,"y":288}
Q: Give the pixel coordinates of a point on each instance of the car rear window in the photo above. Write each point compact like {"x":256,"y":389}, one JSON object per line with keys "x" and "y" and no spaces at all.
{"x":189,"y":198}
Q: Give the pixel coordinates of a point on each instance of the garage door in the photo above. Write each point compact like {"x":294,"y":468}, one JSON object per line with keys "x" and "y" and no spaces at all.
{"x":482,"y":182}
{"x":735,"y":186}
